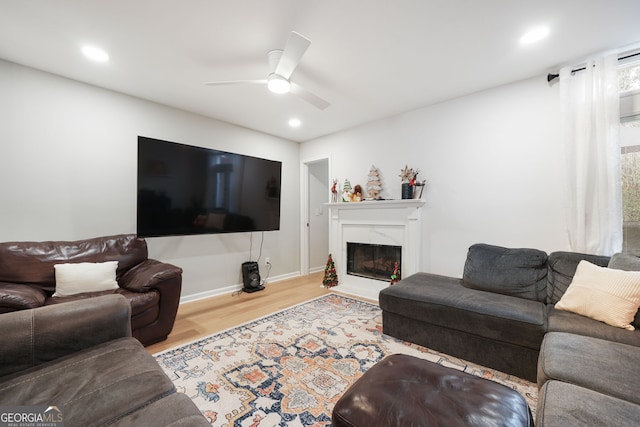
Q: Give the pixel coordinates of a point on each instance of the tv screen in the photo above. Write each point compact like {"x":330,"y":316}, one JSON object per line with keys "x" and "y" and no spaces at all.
{"x":185,"y":190}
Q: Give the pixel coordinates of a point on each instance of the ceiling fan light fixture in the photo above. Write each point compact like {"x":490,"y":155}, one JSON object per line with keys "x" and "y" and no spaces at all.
{"x":278,"y":84}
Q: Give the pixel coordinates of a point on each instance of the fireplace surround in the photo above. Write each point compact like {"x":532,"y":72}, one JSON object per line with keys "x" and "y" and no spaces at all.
{"x":395,"y":223}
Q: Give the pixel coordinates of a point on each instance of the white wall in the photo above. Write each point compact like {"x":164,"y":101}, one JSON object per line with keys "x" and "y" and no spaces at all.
{"x":68,"y":171}
{"x":491,"y":161}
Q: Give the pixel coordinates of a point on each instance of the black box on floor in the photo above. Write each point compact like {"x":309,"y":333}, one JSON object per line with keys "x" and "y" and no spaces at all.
{"x":251,"y":277}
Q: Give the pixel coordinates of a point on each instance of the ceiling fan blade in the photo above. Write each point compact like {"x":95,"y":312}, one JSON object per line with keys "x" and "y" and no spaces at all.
{"x":311,"y":98}
{"x":235,"y":82}
{"x":296,"y":46}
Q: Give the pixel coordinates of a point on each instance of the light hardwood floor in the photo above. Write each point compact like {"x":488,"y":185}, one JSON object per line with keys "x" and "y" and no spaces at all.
{"x":204,"y":317}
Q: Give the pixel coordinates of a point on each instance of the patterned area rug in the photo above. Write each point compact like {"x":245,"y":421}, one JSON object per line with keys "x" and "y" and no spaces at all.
{"x":291,"y":367}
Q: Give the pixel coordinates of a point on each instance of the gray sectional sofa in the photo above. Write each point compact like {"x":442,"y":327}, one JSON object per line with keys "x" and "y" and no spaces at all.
{"x":501,"y":314}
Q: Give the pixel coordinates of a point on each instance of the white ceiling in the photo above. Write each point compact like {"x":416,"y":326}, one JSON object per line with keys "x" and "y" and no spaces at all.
{"x":369,"y":58}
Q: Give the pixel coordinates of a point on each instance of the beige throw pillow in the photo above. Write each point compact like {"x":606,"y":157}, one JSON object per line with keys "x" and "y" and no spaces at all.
{"x":608,"y":295}
{"x":82,"y":277}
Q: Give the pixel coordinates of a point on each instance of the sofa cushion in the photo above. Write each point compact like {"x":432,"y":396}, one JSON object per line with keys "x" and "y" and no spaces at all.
{"x":596,"y":364}
{"x":32,"y":262}
{"x":628,"y":262}
{"x":443,"y":301}
{"x":516,"y":272}
{"x":565,"y":321}
{"x":76,"y":278}
{"x":562,"y":267}
{"x":605,"y":294}
{"x":114,"y":379}
{"x":175,"y":410}
{"x":564,"y":404}
{"x":19,"y":297}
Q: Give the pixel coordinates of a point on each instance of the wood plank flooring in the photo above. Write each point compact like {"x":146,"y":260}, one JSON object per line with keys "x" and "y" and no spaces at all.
{"x":204,"y":317}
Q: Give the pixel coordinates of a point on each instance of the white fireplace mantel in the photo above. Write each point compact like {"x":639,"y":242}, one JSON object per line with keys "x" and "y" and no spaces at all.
{"x":384,"y":222}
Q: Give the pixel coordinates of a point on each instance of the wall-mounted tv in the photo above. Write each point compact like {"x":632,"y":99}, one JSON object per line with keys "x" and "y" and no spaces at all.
{"x":185,"y":190}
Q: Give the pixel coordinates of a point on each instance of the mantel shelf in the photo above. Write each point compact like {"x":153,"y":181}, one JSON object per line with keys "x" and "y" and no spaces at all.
{"x":369,"y":204}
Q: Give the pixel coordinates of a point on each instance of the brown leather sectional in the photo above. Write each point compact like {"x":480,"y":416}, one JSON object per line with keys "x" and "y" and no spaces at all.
{"x":80,"y":357}
{"x":27,"y":279}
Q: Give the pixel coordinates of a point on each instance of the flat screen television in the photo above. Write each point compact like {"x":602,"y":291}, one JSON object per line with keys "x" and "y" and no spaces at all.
{"x":184,"y":190}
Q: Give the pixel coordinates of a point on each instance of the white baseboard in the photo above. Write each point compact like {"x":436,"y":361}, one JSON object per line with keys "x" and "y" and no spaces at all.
{"x":355,"y":291}
{"x":233,"y":288}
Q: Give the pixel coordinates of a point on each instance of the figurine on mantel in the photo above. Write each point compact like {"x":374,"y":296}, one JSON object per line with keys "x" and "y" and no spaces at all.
{"x":374,"y":187}
{"x":334,"y":191}
{"x":346,"y":191}
{"x":351,"y":195}
{"x":356,"y":196}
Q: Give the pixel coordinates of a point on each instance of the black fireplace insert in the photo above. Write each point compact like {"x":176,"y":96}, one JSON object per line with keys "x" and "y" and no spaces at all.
{"x":372,"y":261}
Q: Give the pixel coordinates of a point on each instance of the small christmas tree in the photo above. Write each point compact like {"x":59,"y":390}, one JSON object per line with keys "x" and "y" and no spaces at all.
{"x":395,"y":276}
{"x":330,"y":276}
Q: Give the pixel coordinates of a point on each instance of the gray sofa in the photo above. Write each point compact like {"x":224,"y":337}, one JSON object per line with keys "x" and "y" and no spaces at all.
{"x":79,"y":360}
{"x":587,"y":381}
{"x":501,"y":313}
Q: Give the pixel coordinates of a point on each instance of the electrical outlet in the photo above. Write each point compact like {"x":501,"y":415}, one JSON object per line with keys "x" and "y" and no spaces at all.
{"x":267,"y":261}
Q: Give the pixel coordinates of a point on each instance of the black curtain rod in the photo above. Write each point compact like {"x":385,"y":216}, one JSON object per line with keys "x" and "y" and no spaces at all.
{"x":551,"y":76}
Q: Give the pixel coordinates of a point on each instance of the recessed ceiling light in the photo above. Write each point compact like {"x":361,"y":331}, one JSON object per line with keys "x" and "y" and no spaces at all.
{"x":95,"y":54}
{"x":534,"y":35}
{"x":294,"y":122}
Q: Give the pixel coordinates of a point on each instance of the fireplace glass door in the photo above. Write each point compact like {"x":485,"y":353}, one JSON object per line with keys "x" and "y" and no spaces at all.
{"x":372,"y":261}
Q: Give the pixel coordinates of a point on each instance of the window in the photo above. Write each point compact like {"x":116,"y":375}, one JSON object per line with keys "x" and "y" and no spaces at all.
{"x":629,"y":79}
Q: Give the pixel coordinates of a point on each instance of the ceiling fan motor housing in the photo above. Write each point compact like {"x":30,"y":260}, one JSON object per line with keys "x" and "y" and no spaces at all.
{"x":274,"y":59}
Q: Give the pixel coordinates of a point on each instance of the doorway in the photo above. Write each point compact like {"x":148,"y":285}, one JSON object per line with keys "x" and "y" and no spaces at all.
{"x":315,"y":215}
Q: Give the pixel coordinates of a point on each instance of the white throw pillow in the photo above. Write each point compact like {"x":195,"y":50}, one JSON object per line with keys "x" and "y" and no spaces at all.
{"x":82,"y":277}
{"x":605,"y":294}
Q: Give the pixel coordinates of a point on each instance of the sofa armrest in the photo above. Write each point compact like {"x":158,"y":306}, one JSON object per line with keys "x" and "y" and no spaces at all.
{"x":32,"y":337}
{"x":15,"y":297}
{"x":166,"y":279}
{"x":149,"y":274}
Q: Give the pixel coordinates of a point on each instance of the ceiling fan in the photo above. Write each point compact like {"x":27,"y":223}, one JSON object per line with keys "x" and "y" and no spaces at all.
{"x":282,"y":64}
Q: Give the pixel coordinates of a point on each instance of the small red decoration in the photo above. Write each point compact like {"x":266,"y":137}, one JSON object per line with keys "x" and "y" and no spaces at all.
{"x":395,"y":276}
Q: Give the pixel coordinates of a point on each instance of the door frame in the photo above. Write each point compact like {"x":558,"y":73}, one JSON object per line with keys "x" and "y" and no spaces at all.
{"x":304,"y":207}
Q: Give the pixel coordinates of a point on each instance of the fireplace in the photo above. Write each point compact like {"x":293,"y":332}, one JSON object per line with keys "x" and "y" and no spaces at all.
{"x":372,"y":261}
{"x":394,"y":223}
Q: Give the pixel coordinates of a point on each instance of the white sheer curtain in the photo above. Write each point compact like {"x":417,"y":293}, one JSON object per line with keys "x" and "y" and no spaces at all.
{"x":591,"y":120}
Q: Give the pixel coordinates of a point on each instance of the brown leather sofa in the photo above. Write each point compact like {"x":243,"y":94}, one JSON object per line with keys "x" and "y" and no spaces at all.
{"x":81,"y":358}
{"x":27,"y":279}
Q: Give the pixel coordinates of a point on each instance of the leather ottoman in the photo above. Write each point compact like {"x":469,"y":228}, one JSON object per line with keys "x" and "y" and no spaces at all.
{"x":403,"y":390}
